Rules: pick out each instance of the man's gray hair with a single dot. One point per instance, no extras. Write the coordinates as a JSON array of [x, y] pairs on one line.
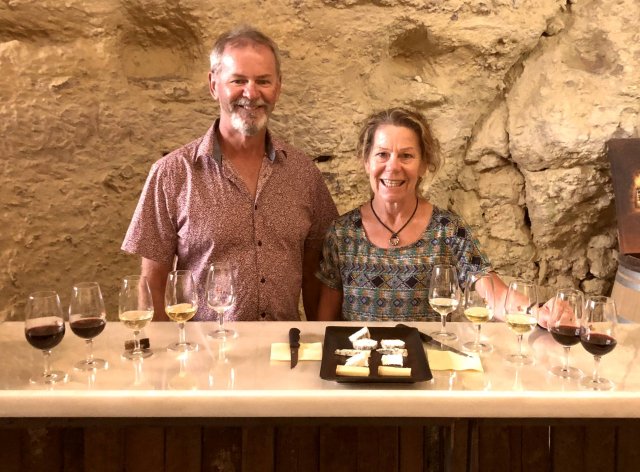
[[242, 36]]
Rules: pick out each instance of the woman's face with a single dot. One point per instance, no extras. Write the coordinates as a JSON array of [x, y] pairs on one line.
[[394, 164]]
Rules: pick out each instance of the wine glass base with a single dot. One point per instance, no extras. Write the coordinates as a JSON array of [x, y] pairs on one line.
[[183, 347], [95, 364], [223, 334], [132, 355], [53, 377], [568, 373], [519, 359], [590, 383], [444, 335], [471, 346]]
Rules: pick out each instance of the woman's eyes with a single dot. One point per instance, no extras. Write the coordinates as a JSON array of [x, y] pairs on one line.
[[386, 155]]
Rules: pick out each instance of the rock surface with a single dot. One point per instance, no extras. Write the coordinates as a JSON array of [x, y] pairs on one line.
[[522, 95]]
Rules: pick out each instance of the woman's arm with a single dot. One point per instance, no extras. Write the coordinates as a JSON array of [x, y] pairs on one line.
[[330, 306]]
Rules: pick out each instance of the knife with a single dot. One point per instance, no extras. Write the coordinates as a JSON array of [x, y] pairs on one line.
[[434, 342], [294, 345]]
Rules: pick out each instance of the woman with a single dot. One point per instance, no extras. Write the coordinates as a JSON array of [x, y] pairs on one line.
[[378, 257]]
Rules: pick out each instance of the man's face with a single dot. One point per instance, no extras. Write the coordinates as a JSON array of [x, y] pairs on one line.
[[247, 87]]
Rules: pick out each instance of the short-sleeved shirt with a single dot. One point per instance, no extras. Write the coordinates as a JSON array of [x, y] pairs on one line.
[[393, 284], [194, 206]]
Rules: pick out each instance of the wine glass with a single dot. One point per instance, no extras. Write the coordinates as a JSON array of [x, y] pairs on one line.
[[521, 314], [87, 319], [598, 337], [220, 296], [44, 329], [564, 326], [478, 306], [444, 295], [135, 310], [181, 304]]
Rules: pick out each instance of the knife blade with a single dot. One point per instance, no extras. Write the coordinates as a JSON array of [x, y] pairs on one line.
[[294, 345], [434, 342]]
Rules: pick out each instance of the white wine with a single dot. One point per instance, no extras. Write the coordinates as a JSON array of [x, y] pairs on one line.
[[181, 312], [444, 306], [521, 323], [477, 314], [136, 319]]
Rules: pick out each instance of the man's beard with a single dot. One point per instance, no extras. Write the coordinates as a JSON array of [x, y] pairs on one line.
[[249, 123]]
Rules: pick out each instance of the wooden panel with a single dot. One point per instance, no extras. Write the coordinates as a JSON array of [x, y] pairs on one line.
[[222, 449], [435, 438], [338, 446], [183, 448], [11, 449], [567, 446], [42, 450], [377, 449], [494, 451], [457, 446], [296, 449], [258, 449], [73, 450], [628, 447], [536, 455], [139, 441], [411, 447], [600, 448], [103, 449]]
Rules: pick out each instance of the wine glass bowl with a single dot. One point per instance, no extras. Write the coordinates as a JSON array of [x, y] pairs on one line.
[[87, 319], [44, 329], [478, 306], [220, 292], [181, 304], [598, 337], [135, 310], [521, 315], [564, 326], [444, 297]]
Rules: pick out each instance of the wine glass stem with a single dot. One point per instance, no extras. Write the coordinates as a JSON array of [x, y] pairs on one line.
[[182, 340], [596, 367], [89, 343], [47, 363], [478, 328], [221, 321], [565, 366], [136, 342], [443, 320], [520, 345]]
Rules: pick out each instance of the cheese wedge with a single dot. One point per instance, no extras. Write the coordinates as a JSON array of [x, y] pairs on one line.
[[352, 371], [387, 371]]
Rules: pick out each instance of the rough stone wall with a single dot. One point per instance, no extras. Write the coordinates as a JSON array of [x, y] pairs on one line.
[[522, 95]]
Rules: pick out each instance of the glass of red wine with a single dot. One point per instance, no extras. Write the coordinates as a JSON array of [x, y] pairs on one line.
[[44, 329], [598, 337], [87, 319], [564, 326]]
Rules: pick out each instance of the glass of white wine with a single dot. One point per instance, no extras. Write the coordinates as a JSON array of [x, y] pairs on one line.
[[135, 310], [181, 304], [444, 296], [521, 315], [220, 296], [478, 306]]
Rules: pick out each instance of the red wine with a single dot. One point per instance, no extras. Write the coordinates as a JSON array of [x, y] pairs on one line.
[[87, 328], [598, 344], [566, 335], [45, 337]]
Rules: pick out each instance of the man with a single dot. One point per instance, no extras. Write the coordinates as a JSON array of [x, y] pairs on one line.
[[237, 195]]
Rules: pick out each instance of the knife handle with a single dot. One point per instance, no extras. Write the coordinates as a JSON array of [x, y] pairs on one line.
[[294, 337]]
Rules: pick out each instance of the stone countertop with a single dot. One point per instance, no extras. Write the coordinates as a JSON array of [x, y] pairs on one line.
[[237, 378]]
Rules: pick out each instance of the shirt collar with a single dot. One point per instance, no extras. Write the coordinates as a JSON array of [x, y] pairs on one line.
[[210, 147]]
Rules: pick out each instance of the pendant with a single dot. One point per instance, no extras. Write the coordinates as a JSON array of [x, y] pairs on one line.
[[394, 240]]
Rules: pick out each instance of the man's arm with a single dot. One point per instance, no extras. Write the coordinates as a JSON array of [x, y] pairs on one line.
[[156, 275], [310, 284], [330, 306]]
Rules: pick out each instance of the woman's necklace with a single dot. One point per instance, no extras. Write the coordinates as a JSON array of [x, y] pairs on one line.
[[394, 240]]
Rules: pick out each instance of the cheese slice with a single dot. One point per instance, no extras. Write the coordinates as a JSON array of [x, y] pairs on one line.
[[352, 371], [387, 371]]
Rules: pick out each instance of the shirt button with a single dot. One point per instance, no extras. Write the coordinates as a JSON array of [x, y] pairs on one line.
[[263, 314], [262, 280], [259, 243], [255, 207]]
